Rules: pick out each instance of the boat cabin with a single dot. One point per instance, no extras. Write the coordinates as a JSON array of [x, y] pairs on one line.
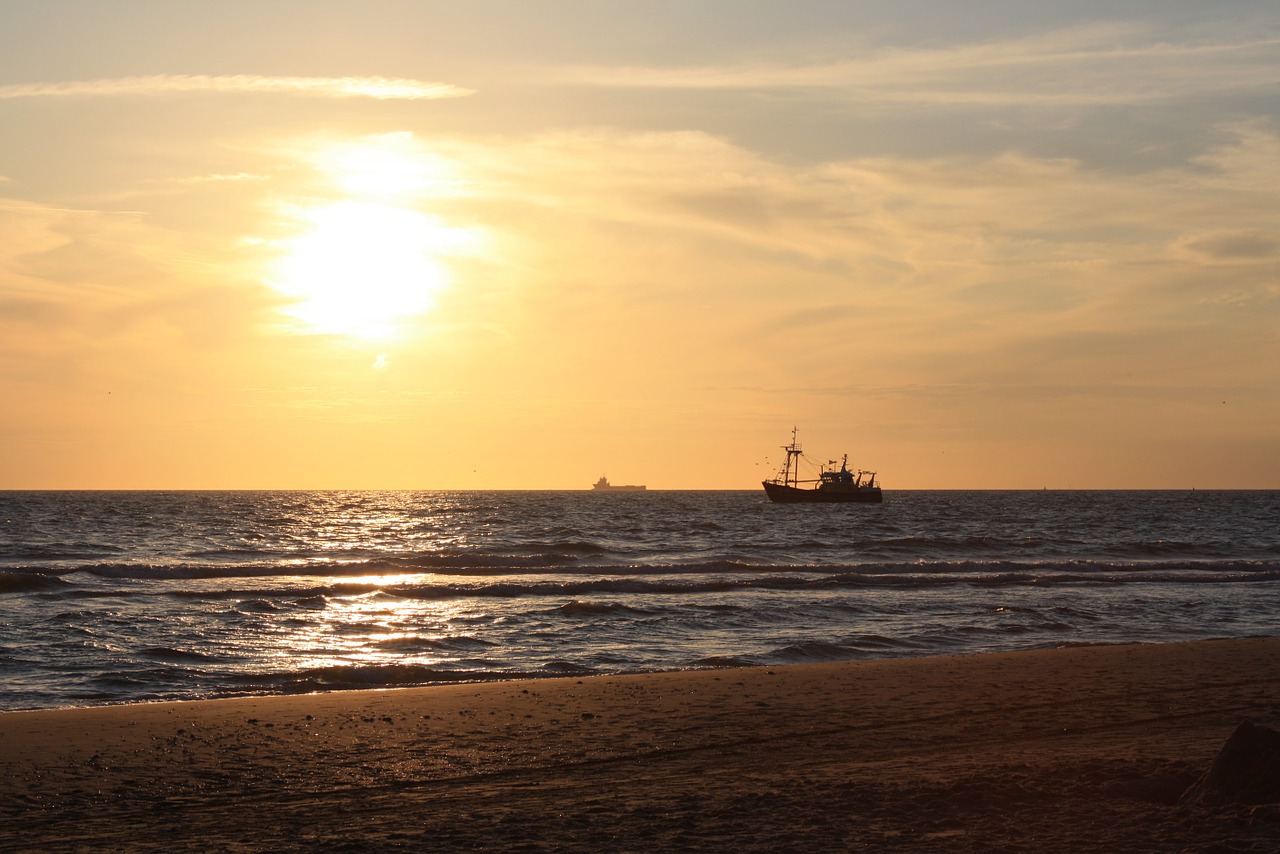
[[845, 480]]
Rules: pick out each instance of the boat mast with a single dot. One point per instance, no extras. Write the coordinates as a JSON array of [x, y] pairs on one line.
[[793, 450]]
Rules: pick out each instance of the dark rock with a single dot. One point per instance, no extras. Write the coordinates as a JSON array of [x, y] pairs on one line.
[[1246, 770]]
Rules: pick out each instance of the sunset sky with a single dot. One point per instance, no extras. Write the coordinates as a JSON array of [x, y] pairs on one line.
[[516, 244]]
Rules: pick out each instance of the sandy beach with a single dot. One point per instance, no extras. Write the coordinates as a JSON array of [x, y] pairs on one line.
[[1059, 750]]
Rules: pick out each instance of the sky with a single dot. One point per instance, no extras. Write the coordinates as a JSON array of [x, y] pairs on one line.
[[518, 244]]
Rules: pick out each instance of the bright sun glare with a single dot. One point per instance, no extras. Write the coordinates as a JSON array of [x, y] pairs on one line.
[[364, 263]]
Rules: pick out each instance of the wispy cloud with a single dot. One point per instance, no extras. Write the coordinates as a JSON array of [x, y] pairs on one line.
[[1110, 63], [934, 271], [218, 178], [382, 88]]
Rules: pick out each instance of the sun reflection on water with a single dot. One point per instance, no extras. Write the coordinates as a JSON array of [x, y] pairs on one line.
[[375, 628]]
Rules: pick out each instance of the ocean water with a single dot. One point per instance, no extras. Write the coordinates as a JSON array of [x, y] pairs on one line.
[[119, 597]]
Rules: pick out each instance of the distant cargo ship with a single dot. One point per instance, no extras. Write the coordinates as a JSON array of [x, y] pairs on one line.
[[603, 485], [829, 487]]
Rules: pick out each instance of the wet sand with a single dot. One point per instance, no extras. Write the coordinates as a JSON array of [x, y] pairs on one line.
[[1082, 749]]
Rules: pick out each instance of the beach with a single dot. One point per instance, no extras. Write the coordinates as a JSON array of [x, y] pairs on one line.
[[1085, 748]]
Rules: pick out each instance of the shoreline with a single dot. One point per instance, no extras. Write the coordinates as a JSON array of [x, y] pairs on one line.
[[536, 678], [1080, 748]]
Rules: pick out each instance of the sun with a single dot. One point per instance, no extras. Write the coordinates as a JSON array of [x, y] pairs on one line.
[[358, 268], [373, 257]]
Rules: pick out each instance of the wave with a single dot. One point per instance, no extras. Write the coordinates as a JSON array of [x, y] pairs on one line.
[[809, 652], [541, 553], [578, 608], [59, 551], [349, 677], [454, 565], [416, 643], [866, 643], [356, 676], [566, 667], [165, 653], [146, 677], [725, 661], [25, 582], [493, 565], [257, 606], [678, 580]]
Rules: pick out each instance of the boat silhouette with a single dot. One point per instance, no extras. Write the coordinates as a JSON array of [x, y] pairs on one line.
[[603, 485], [829, 487]]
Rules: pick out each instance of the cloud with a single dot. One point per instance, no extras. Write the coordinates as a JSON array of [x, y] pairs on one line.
[[1015, 268], [1237, 245], [382, 88], [1103, 64], [219, 178], [71, 279]]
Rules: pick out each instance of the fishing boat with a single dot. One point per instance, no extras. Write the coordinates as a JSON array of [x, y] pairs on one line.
[[830, 486], [603, 485]]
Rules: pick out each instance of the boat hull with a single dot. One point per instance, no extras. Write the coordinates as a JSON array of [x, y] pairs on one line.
[[783, 494]]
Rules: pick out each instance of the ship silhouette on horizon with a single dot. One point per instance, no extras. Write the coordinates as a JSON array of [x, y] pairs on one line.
[[603, 485]]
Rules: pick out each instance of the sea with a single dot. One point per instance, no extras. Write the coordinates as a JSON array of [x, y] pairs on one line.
[[129, 597]]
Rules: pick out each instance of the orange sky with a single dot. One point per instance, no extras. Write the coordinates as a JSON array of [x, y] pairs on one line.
[[458, 245]]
